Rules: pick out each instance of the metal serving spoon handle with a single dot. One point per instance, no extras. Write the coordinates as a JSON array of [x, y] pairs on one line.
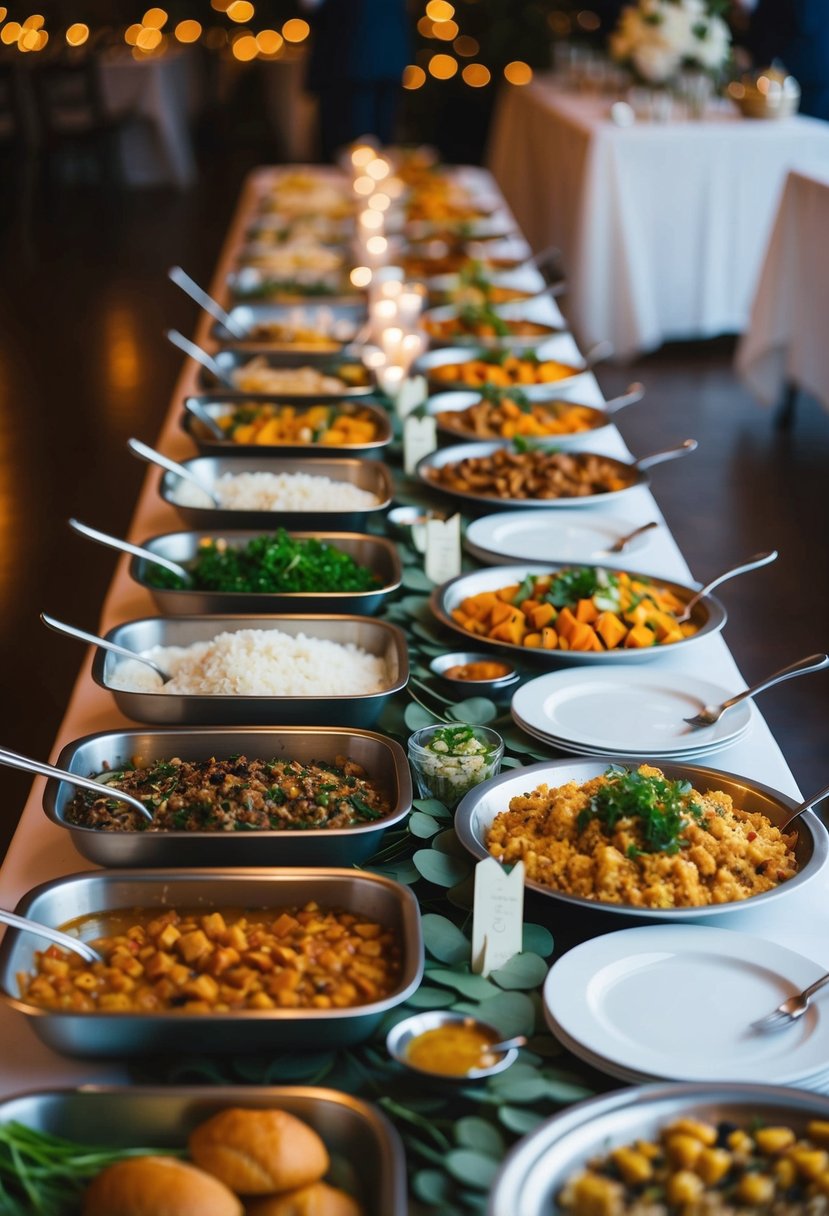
[[145, 452], [683, 449], [198, 411], [201, 356], [711, 714], [53, 935], [622, 543], [804, 806], [635, 392], [191, 288], [125, 546], [753, 563], [73, 632], [15, 760]]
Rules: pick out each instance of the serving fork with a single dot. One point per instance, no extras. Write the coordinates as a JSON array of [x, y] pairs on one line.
[[711, 714], [791, 1009]]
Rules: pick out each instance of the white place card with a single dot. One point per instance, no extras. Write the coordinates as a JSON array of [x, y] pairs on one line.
[[443, 549], [497, 915], [412, 393], [420, 438]]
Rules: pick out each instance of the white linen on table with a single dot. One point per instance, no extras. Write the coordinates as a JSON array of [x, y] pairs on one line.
[[662, 226], [786, 340]]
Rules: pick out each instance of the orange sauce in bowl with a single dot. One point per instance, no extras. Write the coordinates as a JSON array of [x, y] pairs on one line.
[[481, 670], [453, 1050]]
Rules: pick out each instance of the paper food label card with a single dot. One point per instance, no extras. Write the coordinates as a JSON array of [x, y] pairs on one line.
[[412, 393], [497, 915], [420, 439], [443, 549]]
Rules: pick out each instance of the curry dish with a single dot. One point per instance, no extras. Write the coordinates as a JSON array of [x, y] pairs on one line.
[[537, 473], [636, 838]]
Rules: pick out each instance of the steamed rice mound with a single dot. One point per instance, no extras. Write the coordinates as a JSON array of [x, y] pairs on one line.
[[730, 855]]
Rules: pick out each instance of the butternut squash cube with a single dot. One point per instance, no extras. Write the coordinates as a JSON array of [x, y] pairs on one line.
[[586, 611], [550, 640], [640, 636], [611, 629], [543, 615], [566, 623]]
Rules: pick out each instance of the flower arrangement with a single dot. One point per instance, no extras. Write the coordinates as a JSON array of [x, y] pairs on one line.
[[658, 37]]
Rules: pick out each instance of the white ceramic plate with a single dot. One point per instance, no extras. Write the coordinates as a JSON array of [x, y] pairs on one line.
[[626, 710], [574, 749], [532, 536], [676, 1002]]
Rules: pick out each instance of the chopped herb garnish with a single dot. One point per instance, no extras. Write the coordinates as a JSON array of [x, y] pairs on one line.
[[662, 809]]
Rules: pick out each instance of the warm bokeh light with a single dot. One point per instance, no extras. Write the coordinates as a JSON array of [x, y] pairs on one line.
[[413, 77], [131, 35], [188, 31], [443, 67], [425, 27], [560, 24], [245, 48], [10, 32], [376, 245], [4, 12], [518, 72], [446, 31], [240, 11], [466, 46], [362, 154], [378, 168], [296, 30], [35, 22], [360, 276], [476, 75], [269, 42], [155, 18], [379, 202], [440, 10], [221, 6], [589, 21], [365, 185], [148, 39], [372, 220], [77, 34]]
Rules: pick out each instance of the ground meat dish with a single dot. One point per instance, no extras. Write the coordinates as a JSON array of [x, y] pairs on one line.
[[235, 795], [536, 474]]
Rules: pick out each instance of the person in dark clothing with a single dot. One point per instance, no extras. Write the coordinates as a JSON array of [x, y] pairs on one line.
[[796, 32], [359, 51]]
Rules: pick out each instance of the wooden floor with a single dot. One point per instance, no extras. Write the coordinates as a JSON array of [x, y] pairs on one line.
[[83, 365]]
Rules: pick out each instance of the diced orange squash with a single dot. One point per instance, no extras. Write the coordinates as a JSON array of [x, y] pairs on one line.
[[508, 593], [501, 612], [586, 611], [510, 631], [596, 642], [675, 635], [542, 615], [639, 614], [527, 606], [479, 606], [533, 640], [566, 623], [662, 624], [610, 629], [563, 644], [688, 629], [582, 637], [550, 639], [640, 637], [462, 618]]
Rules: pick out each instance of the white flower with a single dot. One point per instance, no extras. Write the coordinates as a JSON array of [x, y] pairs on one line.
[[711, 50], [654, 62]]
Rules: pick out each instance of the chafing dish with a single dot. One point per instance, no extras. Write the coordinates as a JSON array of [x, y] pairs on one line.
[[218, 406]]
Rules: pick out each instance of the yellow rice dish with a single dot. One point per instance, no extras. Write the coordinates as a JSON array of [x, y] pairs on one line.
[[635, 837]]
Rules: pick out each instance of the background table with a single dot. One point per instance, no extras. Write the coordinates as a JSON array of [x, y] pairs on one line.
[[786, 343], [662, 226]]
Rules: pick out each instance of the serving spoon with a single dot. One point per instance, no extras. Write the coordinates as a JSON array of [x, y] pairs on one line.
[[72, 631], [145, 452], [15, 760], [711, 714], [191, 288], [753, 563], [125, 546], [201, 356], [198, 411], [87, 953]]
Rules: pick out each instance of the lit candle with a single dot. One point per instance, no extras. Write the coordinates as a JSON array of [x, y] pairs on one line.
[[408, 306], [391, 341], [390, 379]]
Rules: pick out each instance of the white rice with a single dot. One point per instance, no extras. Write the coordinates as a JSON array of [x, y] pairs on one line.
[[258, 662], [277, 492]]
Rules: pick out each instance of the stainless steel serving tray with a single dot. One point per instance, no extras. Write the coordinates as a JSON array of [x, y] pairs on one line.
[[374, 552], [432, 359], [348, 318], [108, 1035], [231, 360], [384, 761], [169, 709], [217, 406], [456, 401], [371, 475], [537, 1167], [367, 1157], [708, 615], [478, 809], [511, 341]]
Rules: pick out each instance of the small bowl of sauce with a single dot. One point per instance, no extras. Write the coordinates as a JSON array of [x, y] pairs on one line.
[[449, 1046], [467, 673]]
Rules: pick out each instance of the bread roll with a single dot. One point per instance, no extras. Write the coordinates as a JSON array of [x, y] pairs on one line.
[[158, 1186], [318, 1199], [257, 1152]]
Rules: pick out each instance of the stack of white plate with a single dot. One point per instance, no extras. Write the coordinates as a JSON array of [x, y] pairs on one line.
[[676, 1002], [624, 711], [531, 536]]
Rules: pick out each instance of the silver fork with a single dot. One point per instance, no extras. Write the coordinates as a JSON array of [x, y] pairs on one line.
[[712, 713], [791, 1009]]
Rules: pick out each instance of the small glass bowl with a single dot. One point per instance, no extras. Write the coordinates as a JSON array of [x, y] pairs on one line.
[[472, 688], [401, 1035], [450, 777]]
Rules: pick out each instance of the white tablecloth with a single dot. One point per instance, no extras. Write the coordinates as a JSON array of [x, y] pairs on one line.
[[162, 91], [662, 226], [786, 342]]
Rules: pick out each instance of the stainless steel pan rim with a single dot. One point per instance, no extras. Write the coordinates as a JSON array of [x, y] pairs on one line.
[[538, 1165], [231, 359], [510, 341], [213, 403], [477, 811], [464, 354], [456, 400], [709, 614]]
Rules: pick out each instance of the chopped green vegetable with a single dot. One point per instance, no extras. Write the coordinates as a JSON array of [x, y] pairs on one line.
[[662, 809]]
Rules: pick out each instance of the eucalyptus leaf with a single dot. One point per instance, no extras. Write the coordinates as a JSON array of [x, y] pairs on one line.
[[422, 825], [522, 971], [432, 1187], [415, 717], [463, 893], [476, 711], [416, 607], [448, 842], [565, 1092], [537, 940], [510, 1012], [480, 1135], [431, 649], [428, 633], [521, 1089], [546, 1046], [443, 940], [440, 868], [431, 806], [400, 871], [511, 762], [430, 998], [414, 579], [299, 1067], [473, 986], [472, 1169], [520, 1120]]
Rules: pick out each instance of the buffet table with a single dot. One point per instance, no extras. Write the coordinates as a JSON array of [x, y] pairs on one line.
[[647, 264], [41, 851], [785, 344]]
